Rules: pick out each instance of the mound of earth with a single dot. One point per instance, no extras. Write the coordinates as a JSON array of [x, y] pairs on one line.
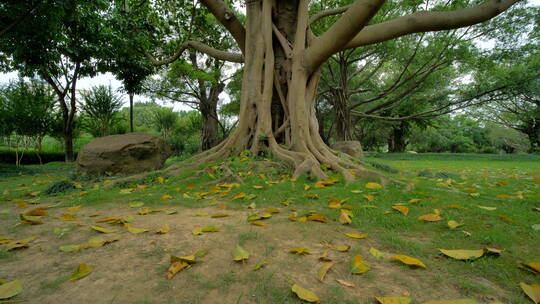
[[123, 154]]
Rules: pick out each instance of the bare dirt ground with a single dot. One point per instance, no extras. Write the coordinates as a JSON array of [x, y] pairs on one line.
[[132, 270]]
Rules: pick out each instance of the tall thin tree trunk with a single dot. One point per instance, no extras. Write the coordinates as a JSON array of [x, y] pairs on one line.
[[68, 146], [208, 109], [343, 115], [131, 112]]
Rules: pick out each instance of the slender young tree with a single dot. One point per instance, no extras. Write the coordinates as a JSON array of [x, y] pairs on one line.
[[282, 63]]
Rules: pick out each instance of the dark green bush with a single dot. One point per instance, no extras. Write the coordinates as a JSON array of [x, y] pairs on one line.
[[30, 158]]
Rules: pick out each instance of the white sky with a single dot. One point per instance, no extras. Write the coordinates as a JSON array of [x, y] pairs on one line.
[[108, 78]]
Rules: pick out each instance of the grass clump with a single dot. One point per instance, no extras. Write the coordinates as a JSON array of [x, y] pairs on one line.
[[59, 187]]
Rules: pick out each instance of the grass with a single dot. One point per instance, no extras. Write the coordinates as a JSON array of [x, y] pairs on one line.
[[504, 182]]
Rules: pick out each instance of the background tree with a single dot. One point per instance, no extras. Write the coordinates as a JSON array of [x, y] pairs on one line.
[[189, 77], [123, 56], [165, 120], [517, 76], [61, 42], [28, 108], [100, 110]]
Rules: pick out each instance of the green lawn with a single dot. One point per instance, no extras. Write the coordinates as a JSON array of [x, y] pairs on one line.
[[495, 197]]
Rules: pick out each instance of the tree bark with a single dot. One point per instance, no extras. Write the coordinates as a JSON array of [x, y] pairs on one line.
[[397, 142], [343, 122], [208, 109], [131, 112]]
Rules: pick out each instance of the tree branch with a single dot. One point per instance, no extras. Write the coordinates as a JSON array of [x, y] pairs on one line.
[[341, 33], [201, 47], [225, 15], [423, 21], [328, 12]]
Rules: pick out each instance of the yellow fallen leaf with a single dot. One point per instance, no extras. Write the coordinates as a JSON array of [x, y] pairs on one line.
[[460, 301], [408, 260], [126, 191], [80, 272], [240, 254], [285, 203], [344, 217], [324, 269], [454, 224], [109, 219], [259, 266], [40, 211], [10, 289], [369, 197], [257, 223], [148, 211], [316, 217], [345, 283], [533, 265], [201, 214], [376, 253], [219, 215], [175, 268], [306, 187], [74, 209], [102, 229], [166, 197], [258, 187], [393, 300], [463, 254], [334, 204], [164, 229], [356, 235], [32, 220], [197, 231], [311, 196], [404, 210], [210, 228], [18, 244], [272, 210], [493, 251], [134, 230], [300, 250], [454, 206], [68, 217], [373, 186], [240, 195], [432, 217], [160, 179], [532, 291], [487, 208], [414, 200], [358, 266], [305, 294]]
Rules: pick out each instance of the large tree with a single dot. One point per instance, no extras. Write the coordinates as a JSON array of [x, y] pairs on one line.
[[282, 65]]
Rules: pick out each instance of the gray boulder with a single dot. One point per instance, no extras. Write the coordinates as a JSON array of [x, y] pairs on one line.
[[123, 154]]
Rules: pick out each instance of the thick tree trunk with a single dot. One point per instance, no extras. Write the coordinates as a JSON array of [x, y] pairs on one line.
[[131, 112], [277, 113]]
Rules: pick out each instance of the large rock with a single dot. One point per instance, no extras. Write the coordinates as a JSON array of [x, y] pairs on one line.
[[350, 147], [123, 154]]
